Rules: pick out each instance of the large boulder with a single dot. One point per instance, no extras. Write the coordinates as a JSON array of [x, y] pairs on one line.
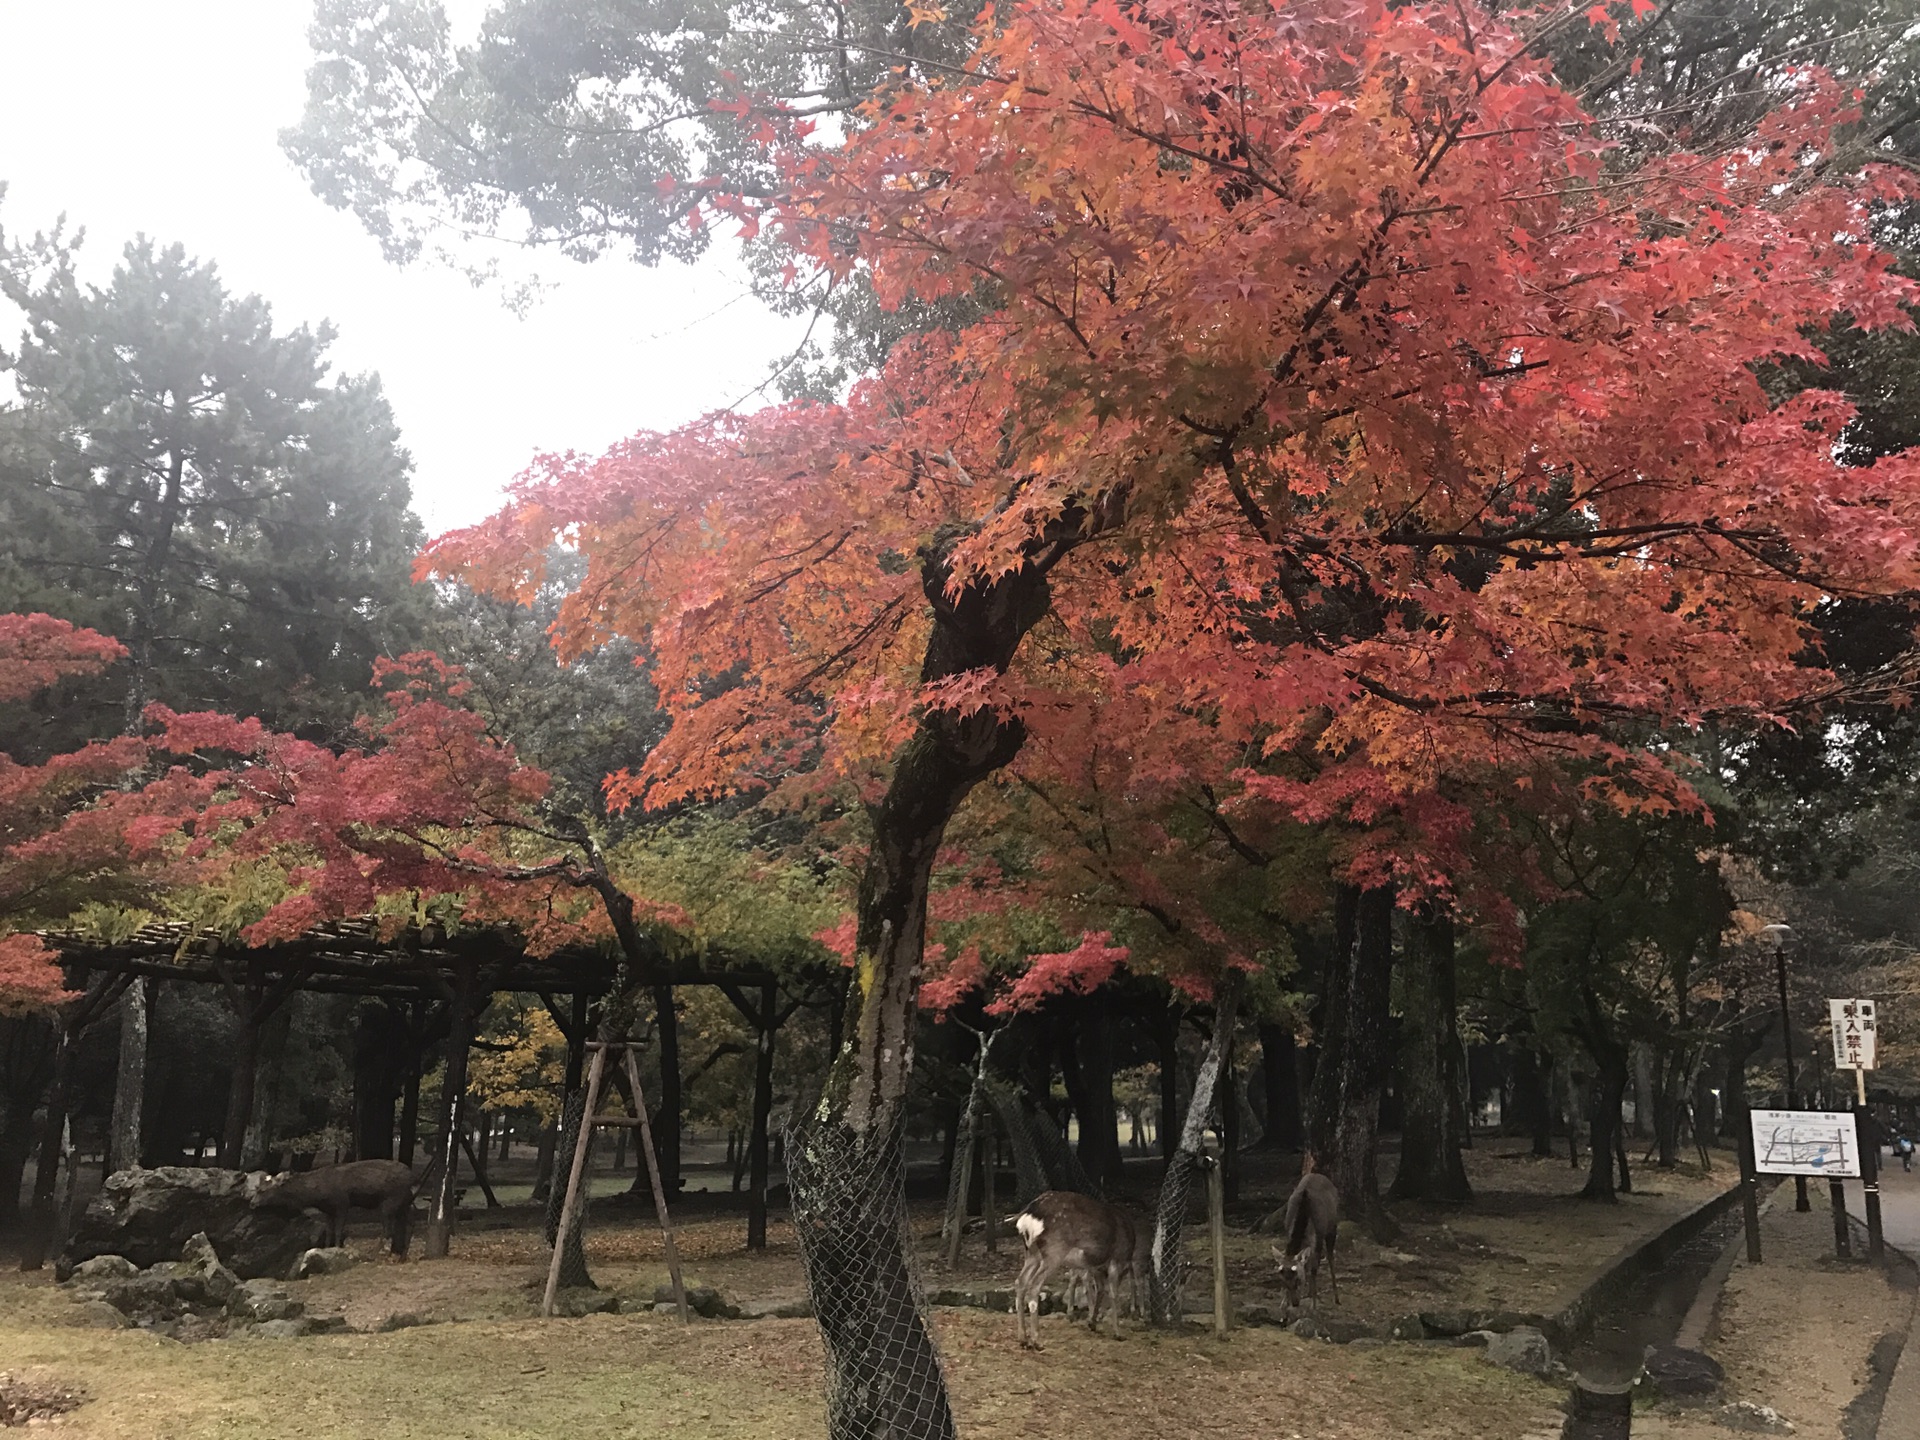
[[148, 1216]]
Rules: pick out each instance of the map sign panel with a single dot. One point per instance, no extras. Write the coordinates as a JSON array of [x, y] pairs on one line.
[[1805, 1142]]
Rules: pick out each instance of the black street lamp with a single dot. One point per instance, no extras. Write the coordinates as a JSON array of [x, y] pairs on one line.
[[1778, 938]]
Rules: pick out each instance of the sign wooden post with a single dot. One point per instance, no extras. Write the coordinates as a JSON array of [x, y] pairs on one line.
[[1855, 1036]]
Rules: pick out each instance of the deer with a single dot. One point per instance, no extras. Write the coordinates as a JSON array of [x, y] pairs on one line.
[[383, 1185], [1063, 1229], [1312, 1224]]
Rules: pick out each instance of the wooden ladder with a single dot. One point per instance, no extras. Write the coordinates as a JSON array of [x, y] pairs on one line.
[[576, 1177]]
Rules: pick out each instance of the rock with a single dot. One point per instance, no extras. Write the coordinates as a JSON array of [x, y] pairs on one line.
[[99, 1315], [1449, 1322], [1367, 1342], [148, 1216], [1345, 1332], [1501, 1321], [103, 1267], [1760, 1419], [1523, 1349], [1686, 1376], [203, 1279], [330, 1261], [400, 1320], [1408, 1327], [776, 1310], [1263, 1315], [288, 1329], [575, 1303], [1474, 1338], [263, 1300], [665, 1307], [144, 1296], [702, 1300], [1306, 1327]]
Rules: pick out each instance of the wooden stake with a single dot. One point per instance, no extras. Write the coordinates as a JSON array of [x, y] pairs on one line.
[[570, 1206], [659, 1190], [1217, 1233]]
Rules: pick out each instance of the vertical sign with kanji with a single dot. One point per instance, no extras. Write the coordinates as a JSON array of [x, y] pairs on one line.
[[1853, 1034]]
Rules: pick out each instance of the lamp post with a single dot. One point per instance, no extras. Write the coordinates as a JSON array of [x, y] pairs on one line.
[[1778, 938]]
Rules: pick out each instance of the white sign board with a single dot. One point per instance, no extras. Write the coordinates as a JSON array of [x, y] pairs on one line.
[[1853, 1034], [1805, 1142]]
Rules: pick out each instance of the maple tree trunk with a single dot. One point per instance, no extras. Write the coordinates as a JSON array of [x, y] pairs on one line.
[[845, 1164], [380, 1046], [1086, 1064], [1280, 1086], [574, 1274], [246, 1073], [41, 1218], [129, 1079], [16, 1144], [1167, 1264], [667, 1116], [1345, 1124], [1431, 1134], [762, 1113], [1607, 1089], [1166, 1036]]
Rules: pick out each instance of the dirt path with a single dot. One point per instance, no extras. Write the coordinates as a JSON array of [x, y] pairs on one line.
[[1794, 1332]]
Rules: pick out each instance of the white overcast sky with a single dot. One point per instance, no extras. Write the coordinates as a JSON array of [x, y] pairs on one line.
[[161, 117]]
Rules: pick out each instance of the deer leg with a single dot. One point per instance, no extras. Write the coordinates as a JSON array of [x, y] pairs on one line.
[[1114, 1271], [1026, 1297], [1332, 1274]]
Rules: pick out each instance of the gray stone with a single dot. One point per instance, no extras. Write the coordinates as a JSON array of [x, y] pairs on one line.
[[665, 1307], [1367, 1342], [400, 1320], [1675, 1373], [1345, 1332], [263, 1300], [1307, 1328], [1262, 1314], [103, 1267], [1474, 1339], [288, 1329], [144, 1295], [776, 1310], [1408, 1327], [99, 1315], [202, 1279], [702, 1300], [329, 1261], [149, 1216], [1448, 1322], [1523, 1349], [1759, 1419], [575, 1303], [1501, 1321]]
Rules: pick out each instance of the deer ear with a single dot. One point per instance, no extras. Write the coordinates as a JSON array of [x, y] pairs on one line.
[[1277, 1255]]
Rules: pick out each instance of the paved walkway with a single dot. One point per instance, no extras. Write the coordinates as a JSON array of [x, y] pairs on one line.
[[1900, 1217]]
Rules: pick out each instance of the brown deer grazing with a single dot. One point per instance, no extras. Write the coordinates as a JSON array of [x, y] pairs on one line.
[[1312, 1225], [1064, 1229], [383, 1185]]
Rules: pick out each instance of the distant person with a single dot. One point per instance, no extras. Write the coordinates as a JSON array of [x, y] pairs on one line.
[[1904, 1144]]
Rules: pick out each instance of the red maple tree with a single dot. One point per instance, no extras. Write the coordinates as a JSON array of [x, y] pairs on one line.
[[1332, 378]]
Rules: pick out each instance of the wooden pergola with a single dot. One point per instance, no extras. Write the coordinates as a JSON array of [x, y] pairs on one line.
[[430, 970]]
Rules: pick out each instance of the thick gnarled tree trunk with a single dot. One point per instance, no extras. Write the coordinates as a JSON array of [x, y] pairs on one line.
[[845, 1161], [1431, 1135], [1344, 1126]]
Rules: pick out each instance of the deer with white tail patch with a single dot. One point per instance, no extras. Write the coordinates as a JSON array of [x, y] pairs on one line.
[[1064, 1230]]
